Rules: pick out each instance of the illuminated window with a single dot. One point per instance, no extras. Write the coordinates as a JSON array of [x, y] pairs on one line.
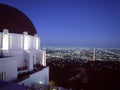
[[5, 43]]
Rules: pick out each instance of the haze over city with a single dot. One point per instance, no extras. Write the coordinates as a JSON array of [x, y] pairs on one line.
[[81, 23]]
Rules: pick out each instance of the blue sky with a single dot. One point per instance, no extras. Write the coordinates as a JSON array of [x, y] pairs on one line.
[[81, 23]]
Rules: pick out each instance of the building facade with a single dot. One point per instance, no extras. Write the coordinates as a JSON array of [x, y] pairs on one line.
[[19, 41]]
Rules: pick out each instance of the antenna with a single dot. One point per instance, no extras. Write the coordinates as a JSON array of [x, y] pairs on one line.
[[94, 54]]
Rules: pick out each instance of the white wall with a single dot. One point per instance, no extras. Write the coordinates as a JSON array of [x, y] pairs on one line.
[[19, 54], [16, 41], [27, 58], [41, 76], [16, 49], [31, 42], [9, 65], [41, 55]]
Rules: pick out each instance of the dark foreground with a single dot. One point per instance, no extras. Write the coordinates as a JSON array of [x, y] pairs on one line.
[[85, 75]]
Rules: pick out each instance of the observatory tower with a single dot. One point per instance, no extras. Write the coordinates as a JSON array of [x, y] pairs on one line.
[[19, 43]]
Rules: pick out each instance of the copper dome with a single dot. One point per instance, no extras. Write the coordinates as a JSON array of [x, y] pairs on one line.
[[15, 21]]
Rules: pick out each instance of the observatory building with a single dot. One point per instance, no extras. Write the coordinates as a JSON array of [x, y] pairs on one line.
[[20, 50]]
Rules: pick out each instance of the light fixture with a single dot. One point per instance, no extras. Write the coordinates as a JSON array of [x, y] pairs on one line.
[[25, 46], [40, 82], [5, 43]]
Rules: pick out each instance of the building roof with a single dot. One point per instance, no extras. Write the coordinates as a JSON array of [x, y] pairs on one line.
[[15, 21]]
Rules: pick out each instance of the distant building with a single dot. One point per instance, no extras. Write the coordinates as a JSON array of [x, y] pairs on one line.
[[19, 44], [94, 54]]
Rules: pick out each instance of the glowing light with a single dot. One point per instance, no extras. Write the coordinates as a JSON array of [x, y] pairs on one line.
[[5, 42], [36, 42], [53, 89], [40, 82], [25, 42], [44, 58]]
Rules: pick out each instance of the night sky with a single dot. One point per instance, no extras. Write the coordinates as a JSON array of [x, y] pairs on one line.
[[73, 23]]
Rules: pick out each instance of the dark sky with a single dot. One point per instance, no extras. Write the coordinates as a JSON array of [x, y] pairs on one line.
[[81, 23]]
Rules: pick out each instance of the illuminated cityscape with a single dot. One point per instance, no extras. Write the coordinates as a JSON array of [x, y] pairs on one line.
[[60, 45], [85, 68], [101, 54]]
